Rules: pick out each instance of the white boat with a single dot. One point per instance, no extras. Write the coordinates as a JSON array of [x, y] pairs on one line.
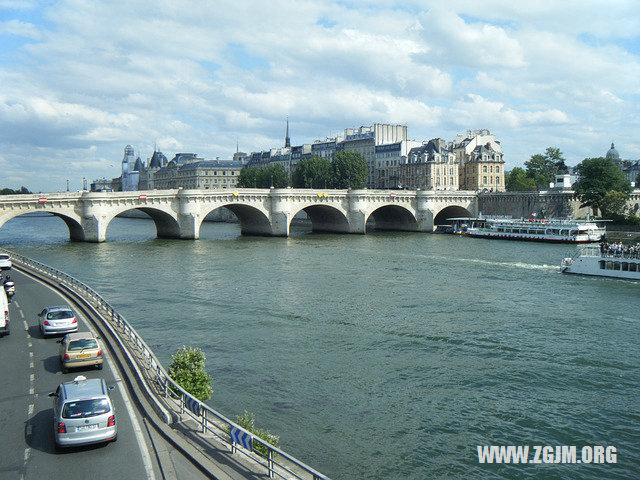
[[591, 261], [552, 230]]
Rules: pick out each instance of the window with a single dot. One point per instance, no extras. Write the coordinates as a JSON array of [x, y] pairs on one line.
[[484, 170], [497, 169], [497, 180], [484, 180]]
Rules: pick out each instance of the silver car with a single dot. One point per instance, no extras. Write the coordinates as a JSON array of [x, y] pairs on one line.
[[83, 413], [53, 320]]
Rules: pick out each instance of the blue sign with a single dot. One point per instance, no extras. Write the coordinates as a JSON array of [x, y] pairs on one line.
[[241, 437], [193, 405]]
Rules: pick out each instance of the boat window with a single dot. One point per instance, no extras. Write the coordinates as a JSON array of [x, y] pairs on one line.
[[633, 267], [625, 267], [616, 265], [609, 265], [601, 262]]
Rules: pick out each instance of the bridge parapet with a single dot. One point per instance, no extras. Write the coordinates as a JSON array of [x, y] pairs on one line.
[[179, 213]]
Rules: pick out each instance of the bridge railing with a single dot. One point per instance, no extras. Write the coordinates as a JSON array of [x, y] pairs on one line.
[[278, 463]]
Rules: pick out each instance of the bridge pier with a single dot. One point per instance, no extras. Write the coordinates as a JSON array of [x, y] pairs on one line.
[[95, 229]]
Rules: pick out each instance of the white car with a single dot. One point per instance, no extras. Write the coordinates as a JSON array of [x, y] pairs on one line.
[[5, 261]]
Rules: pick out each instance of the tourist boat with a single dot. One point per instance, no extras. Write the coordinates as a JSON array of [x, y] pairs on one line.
[[591, 261], [552, 230]]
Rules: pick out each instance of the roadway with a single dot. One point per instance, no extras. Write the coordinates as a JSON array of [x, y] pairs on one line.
[[29, 370]]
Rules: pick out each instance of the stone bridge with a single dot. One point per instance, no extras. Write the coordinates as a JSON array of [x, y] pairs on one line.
[[179, 213]]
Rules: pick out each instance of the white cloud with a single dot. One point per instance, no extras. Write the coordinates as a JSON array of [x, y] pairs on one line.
[[18, 28], [200, 76]]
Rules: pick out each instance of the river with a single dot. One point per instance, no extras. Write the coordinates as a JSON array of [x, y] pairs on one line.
[[386, 355]]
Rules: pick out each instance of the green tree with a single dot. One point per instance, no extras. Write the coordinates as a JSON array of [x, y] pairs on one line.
[[350, 170], [263, 177], [517, 180], [598, 177], [312, 172], [614, 205], [543, 167], [555, 155], [187, 370], [10, 191]]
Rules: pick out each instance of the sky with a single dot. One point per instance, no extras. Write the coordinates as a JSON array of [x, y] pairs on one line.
[[80, 79]]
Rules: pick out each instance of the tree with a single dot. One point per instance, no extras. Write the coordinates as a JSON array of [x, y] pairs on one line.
[[312, 172], [598, 177], [263, 177], [10, 191], [248, 421], [555, 155], [543, 168], [350, 170], [614, 205], [187, 370], [517, 180]]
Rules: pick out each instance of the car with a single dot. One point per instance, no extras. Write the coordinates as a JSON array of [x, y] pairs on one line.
[[5, 261], [53, 320], [80, 349], [4, 313], [83, 413]]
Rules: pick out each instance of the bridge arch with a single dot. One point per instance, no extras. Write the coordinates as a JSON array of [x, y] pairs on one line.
[[73, 222], [166, 222], [324, 218], [451, 211], [252, 220], [393, 217]]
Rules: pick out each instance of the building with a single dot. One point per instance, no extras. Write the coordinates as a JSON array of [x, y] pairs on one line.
[[480, 161], [155, 163], [130, 170], [364, 141], [431, 166], [390, 161]]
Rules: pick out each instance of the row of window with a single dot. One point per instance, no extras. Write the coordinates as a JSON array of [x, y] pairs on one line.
[[484, 180], [621, 266], [484, 169]]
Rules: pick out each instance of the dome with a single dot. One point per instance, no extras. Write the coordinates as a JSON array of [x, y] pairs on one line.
[[613, 153]]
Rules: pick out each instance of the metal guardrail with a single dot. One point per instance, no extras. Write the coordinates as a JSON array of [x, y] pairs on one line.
[[278, 463]]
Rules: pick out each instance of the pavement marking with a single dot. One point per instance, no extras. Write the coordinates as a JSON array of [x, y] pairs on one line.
[[30, 344], [31, 354], [31, 365], [33, 377], [26, 325], [17, 304], [21, 313], [30, 409], [144, 451], [27, 452], [31, 391]]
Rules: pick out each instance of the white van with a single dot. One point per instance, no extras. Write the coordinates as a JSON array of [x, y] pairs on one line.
[[4, 313]]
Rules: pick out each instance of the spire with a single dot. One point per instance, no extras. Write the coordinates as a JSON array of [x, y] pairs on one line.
[[287, 142]]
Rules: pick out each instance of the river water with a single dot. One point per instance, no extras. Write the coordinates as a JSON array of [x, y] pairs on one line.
[[386, 355]]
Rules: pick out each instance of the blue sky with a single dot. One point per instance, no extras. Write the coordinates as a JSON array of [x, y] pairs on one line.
[[82, 79]]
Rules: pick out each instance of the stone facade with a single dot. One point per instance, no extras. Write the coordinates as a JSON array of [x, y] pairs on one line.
[[431, 166]]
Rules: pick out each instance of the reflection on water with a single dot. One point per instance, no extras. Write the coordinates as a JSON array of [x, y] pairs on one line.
[[382, 356]]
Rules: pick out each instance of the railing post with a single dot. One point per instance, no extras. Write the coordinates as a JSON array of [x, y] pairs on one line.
[[204, 419], [270, 462]]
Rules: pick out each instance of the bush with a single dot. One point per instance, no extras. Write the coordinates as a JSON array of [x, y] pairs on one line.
[[187, 370], [248, 422]]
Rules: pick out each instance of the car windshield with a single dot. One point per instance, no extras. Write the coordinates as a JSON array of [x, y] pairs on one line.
[[4, 257], [85, 408], [59, 315], [82, 344]]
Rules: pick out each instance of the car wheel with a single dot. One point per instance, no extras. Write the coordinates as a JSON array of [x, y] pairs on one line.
[[99, 366], [65, 370]]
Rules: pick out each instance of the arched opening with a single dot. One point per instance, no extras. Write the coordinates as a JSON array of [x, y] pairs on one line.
[[134, 224], [443, 218], [252, 221], [392, 217], [42, 227], [220, 224], [318, 219]]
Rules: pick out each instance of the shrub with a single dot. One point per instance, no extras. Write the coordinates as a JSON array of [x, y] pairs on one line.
[[248, 422], [187, 370]]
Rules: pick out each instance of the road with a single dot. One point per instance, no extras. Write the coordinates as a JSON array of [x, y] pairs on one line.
[[29, 370]]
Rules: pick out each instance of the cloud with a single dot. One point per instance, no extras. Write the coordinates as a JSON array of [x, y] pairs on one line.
[[20, 29], [199, 76]]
